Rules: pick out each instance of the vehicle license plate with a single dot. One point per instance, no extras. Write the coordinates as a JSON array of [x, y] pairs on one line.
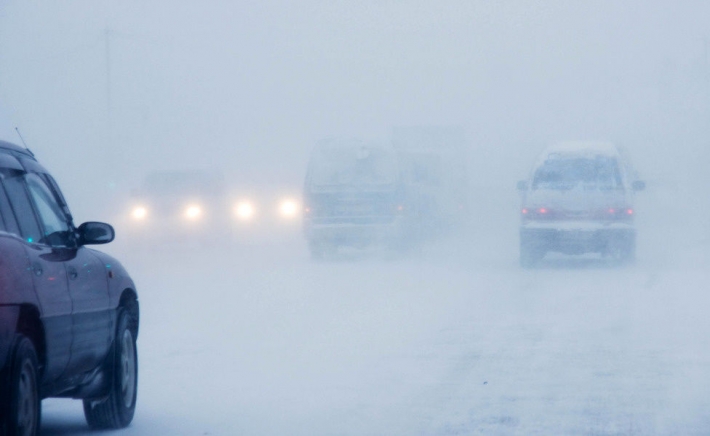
[[580, 235]]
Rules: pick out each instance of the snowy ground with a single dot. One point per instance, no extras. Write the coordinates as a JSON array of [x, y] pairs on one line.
[[456, 340]]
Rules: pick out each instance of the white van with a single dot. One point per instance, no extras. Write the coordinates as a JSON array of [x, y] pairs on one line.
[[578, 199]]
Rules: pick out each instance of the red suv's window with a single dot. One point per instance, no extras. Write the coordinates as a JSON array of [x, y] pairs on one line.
[[54, 222], [22, 208]]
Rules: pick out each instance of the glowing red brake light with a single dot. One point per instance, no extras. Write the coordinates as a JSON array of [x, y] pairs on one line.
[[619, 213], [537, 213]]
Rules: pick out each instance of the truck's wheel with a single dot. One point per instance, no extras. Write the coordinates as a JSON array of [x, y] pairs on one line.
[[529, 257], [316, 251], [630, 252], [117, 409], [322, 250], [22, 407]]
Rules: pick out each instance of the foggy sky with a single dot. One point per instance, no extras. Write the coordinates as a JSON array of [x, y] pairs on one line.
[[106, 92]]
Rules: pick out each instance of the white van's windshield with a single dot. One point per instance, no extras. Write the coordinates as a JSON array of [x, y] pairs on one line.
[[599, 173], [356, 165]]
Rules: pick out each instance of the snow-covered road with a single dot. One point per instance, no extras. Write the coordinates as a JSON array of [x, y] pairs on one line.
[[457, 340]]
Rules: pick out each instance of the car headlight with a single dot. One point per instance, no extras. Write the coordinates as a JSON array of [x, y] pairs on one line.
[[288, 208], [193, 212], [139, 213], [244, 210]]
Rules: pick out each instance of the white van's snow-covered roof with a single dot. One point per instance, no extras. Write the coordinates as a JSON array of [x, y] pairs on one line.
[[584, 148], [589, 149]]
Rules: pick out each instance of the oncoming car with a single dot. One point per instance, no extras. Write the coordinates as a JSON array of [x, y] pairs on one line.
[[579, 198], [265, 214], [176, 205], [268, 207], [199, 205], [68, 314]]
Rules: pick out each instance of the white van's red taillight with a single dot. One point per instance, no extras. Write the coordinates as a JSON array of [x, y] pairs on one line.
[[536, 213], [621, 213]]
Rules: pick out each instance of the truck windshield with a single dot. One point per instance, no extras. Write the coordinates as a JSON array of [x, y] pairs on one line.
[[353, 166], [600, 173]]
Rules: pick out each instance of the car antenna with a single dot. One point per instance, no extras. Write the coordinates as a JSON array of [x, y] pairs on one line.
[[23, 141]]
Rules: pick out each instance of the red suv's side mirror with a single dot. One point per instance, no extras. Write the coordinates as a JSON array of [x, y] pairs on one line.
[[93, 232]]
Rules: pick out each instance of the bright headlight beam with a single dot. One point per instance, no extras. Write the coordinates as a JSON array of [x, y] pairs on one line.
[[244, 210], [139, 213], [288, 208], [193, 212]]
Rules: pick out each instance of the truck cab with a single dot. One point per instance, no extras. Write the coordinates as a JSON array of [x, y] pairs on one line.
[[354, 196]]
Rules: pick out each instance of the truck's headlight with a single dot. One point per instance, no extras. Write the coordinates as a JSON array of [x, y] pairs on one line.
[[193, 212], [244, 210], [288, 208], [139, 213]]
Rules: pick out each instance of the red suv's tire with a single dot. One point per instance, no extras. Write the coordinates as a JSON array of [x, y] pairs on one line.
[[116, 410], [22, 406]]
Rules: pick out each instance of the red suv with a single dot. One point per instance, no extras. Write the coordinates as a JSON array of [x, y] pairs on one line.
[[68, 314]]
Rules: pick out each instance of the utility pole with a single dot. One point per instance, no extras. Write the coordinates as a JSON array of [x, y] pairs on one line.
[[109, 106], [706, 58], [111, 154]]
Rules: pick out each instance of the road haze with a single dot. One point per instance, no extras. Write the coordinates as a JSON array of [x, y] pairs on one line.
[[452, 339], [242, 333]]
